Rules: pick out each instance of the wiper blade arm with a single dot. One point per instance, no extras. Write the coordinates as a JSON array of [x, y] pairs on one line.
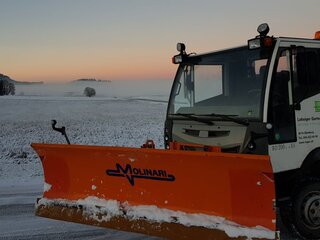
[[228, 118], [193, 117]]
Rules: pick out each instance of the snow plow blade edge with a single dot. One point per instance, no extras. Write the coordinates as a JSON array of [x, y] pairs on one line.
[[167, 193]]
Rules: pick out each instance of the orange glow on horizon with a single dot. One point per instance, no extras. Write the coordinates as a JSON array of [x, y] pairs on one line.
[[117, 73], [156, 69], [58, 65]]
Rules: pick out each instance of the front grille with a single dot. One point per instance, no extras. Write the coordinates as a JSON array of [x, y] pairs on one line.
[[210, 134]]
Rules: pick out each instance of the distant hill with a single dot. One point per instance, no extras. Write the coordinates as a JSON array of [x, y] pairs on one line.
[[5, 77], [90, 80], [28, 83]]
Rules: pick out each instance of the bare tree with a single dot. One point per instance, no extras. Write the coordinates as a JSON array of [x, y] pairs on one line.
[[2, 88], [12, 89], [7, 88]]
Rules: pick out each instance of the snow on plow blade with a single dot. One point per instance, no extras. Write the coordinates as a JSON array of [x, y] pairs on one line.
[[168, 193]]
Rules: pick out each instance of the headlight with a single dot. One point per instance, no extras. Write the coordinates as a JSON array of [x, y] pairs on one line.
[[254, 43], [177, 59]]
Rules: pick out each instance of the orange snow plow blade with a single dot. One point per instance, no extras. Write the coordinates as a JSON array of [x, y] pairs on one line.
[[169, 193]]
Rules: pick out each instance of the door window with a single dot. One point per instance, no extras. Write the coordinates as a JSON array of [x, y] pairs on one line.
[[307, 68], [281, 109]]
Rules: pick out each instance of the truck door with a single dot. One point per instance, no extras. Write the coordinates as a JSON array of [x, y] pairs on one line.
[[281, 113], [306, 93], [281, 108], [294, 105]]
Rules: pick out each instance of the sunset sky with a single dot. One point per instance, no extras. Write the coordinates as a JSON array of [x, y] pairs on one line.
[[62, 40]]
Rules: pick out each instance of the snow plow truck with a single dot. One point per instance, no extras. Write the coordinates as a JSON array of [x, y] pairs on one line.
[[242, 149]]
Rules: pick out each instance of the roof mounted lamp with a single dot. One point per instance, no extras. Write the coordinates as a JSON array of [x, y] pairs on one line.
[[263, 29], [262, 40], [181, 47], [182, 56]]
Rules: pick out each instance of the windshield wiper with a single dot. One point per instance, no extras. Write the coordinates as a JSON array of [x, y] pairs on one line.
[[192, 116], [228, 118]]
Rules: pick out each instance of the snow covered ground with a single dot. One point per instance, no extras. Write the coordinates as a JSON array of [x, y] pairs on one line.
[[107, 119], [113, 117], [89, 121]]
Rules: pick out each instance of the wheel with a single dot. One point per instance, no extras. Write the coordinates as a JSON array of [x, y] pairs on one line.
[[306, 210]]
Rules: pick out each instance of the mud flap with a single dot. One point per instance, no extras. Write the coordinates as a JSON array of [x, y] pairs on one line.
[[168, 193]]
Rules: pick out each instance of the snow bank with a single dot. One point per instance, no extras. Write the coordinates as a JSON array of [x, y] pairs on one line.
[[103, 210]]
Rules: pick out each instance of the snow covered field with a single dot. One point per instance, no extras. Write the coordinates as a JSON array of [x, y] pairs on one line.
[[124, 120], [88, 121], [110, 118]]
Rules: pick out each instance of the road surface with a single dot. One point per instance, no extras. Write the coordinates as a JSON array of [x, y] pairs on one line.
[[17, 220]]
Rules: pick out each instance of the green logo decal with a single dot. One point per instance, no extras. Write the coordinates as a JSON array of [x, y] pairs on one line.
[[317, 106]]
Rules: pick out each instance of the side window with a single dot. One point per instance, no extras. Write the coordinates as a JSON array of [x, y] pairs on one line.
[[306, 64], [281, 111]]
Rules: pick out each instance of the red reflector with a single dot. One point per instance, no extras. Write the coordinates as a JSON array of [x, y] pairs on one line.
[[267, 42]]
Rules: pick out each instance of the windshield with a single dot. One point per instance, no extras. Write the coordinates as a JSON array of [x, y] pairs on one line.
[[228, 83]]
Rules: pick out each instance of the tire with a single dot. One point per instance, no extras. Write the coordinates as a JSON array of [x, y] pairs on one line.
[[306, 210]]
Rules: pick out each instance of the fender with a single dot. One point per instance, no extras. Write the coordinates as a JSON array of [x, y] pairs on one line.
[[286, 181]]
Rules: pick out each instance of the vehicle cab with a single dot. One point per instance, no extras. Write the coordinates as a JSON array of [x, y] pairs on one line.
[[218, 98], [262, 98]]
